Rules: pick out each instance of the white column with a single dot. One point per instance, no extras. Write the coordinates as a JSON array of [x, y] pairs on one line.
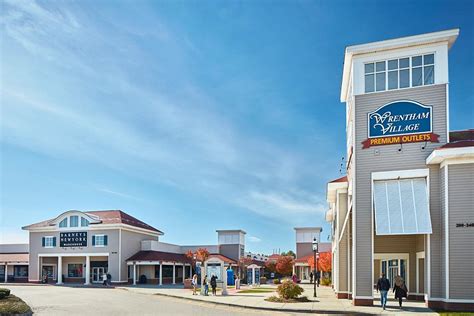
[[60, 270], [184, 272], [134, 273], [88, 270], [224, 280], [161, 273], [174, 273], [293, 269], [6, 272]]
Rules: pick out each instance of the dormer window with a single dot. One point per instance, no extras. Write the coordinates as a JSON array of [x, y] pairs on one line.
[[84, 222], [63, 223], [74, 221]]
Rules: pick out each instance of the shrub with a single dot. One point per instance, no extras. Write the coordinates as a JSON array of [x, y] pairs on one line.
[[276, 281], [325, 281], [289, 290], [4, 293], [263, 280]]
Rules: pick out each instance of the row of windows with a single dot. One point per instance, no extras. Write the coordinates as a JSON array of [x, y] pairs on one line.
[[18, 271], [399, 73], [97, 241], [74, 222]]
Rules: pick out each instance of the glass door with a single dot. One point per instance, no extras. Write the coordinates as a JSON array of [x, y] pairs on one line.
[[97, 273], [393, 267]]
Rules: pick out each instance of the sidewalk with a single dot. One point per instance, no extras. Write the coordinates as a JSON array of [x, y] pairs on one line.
[[325, 303]]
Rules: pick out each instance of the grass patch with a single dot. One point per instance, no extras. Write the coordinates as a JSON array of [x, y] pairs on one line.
[[13, 305], [276, 299], [257, 290]]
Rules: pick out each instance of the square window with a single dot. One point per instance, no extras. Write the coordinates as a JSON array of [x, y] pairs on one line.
[[416, 61], [393, 64], [404, 62], [404, 78], [380, 82], [428, 59], [393, 80], [369, 83], [416, 77], [380, 66], [99, 240], [49, 242], [369, 68], [74, 270], [429, 74]]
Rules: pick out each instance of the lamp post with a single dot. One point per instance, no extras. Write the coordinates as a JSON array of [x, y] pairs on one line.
[[315, 250]]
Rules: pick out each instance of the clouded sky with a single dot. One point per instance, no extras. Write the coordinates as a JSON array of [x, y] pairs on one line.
[[192, 116]]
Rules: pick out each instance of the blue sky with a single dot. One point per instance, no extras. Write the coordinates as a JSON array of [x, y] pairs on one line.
[[192, 116]]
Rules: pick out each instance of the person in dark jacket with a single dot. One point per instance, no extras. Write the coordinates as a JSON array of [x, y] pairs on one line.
[[383, 285], [311, 277], [214, 284], [400, 290]]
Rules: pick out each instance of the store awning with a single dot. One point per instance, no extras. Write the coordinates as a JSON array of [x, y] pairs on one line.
[[401, 207]]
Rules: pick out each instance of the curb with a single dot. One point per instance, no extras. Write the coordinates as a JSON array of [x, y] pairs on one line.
[[267, 308]]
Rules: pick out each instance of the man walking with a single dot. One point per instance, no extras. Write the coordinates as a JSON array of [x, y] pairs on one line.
[[383, 285]]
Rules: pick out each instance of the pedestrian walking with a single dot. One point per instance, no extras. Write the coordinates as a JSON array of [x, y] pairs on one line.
[[214, 284], [400, 290], [109, 279], [383, 285], [206, 286], [104, 279], [194, 282], [311, 277], [318, 277]]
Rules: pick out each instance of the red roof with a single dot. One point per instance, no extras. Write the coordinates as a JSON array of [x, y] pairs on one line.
[[222, 257], [14, 257], [341, 179], [458, 139], [106, 217], [159, 256]]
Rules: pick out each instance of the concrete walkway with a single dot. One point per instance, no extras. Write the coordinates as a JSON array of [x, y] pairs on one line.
[[325, 303]]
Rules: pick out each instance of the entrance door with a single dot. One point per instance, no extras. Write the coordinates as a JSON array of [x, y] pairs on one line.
[[393, 267], [97, 273]]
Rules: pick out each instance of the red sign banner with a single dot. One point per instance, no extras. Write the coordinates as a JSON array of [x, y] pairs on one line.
[[390, 140]]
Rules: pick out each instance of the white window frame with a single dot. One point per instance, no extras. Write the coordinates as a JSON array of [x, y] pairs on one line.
[[67, 222], [47, 238], [410, 70], [84, 219], [103, 240], [70, 221]]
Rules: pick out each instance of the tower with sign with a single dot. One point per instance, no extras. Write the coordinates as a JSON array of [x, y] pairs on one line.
[[392, 214]]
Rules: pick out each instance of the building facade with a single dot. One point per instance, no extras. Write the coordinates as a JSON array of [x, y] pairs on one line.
[[406, 205], [80, 247]]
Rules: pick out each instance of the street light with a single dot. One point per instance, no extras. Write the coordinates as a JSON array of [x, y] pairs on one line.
[[315, 250]]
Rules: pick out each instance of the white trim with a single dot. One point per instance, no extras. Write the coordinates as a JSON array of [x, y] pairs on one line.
[[95, 241], [98, 227], [419, 255], [447, 36], [447, 106], [52, 241], [55, 269], [428, 268], [451, 300], [400, 174], [446, 228], [456, 155], [457, 161], [120, 256], [83, 254]]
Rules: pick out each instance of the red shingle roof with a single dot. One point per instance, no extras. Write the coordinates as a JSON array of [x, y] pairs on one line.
[[106, 217], [159, 256], [341, 179], [222, 257]]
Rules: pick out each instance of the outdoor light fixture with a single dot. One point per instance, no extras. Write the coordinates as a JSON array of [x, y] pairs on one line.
[[315, 250]]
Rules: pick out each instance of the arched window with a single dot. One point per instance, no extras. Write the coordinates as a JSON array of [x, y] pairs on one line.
[[63, 223]]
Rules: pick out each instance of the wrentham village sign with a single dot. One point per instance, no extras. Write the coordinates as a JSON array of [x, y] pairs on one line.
[[399, 122]]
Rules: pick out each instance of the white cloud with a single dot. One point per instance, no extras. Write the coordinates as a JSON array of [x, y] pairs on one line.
[[253, 239]]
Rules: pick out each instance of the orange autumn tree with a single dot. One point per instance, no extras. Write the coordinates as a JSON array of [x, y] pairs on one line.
[[284, 265], [200, 255], [324, 262]]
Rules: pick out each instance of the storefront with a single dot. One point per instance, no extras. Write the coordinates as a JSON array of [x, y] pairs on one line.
[[406, 205]]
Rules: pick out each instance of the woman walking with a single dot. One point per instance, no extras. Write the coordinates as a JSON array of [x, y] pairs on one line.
[[400, 290], [194, 282], [206, 286], [214, 284]]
